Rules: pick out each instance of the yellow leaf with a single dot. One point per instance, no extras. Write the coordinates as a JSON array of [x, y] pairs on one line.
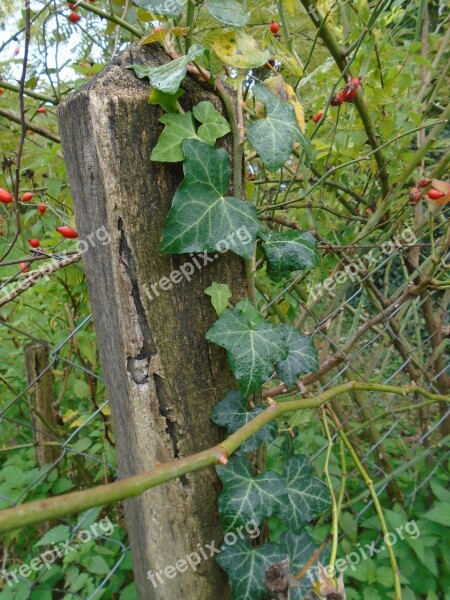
[[159, 35], [290, 7], [285, 92], [68, 415], [77, 423], [238, 49], [279, 51]]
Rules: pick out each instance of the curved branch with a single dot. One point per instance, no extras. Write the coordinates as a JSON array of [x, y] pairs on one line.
[[39, 511]]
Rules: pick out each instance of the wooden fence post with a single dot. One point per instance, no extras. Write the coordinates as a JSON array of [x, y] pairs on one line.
[[162, 377], [41, 397]]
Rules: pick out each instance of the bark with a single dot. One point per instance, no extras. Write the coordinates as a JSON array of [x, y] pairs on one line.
[[162, 377]]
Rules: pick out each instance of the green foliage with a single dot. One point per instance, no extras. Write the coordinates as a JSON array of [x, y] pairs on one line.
[[301, 359], [202, 218], [246, 567], [228, 12], [232, 412], [273, 137], [180, 127], [289, 251], [276, 485], [220, 294], [168, 77], [246, 498], [253, 345]]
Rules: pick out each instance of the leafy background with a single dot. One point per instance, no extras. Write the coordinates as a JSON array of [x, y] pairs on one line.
[[390, 437]]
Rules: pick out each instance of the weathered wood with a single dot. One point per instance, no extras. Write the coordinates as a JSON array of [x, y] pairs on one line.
[[162, 377], [41, 397]]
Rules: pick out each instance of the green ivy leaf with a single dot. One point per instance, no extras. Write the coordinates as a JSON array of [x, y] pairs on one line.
[[228, 12], [168, 77], [299, 549], [177, 128], [308, 496], [247, 498], [289, 251], [252, 346], [202, 219], [213, 125], [159, 7], [246, 567], [168, 102], [232, 413], [273, 137], [220, 294], [302, 357]]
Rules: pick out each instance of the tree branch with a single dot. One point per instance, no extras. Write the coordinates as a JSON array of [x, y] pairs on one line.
[[338, 55], [39, 511], [15, 118]]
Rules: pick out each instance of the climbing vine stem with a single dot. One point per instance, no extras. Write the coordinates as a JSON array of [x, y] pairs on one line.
[[39, 511], [376, 502]]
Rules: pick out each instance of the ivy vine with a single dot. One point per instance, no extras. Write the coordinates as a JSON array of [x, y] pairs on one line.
[[200, 218]]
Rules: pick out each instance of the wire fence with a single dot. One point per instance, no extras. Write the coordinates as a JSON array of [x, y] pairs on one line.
[[366, 328]]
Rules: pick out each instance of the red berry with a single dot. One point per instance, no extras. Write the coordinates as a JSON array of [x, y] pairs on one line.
[[24, 267], [74, 17], [336, 100], [274, 27], [67, 232], [434, 194], [5, 196], [415, 195], [423, 182], [16, 50], [27, 196], [316, 118], [72, 6], [34, 243], [41, 110], [348, 93], [41, 208], [2, 91]]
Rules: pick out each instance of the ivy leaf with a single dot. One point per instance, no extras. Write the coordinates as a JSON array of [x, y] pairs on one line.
[[168, 77], [299, 549], [252, 347], [158, 7], [289, 251], [232, 413], [273, 137], [302, 357], [213, 125], [308, 496], [202, 219], [247, 498], [238, 49], [286, 92], [177, 128], [168, 102], [220, 294], [246, 567], [228, 12]]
